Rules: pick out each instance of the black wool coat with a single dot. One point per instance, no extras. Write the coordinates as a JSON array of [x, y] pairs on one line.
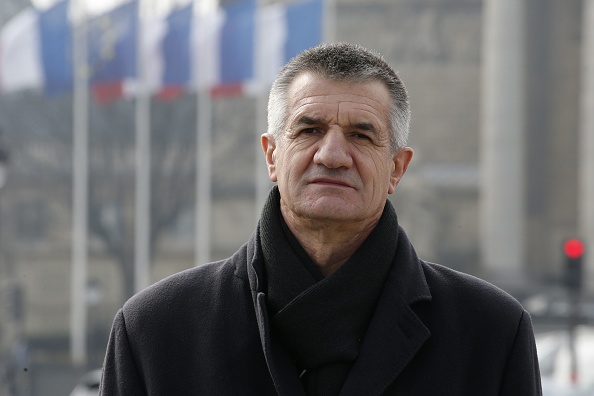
[[435, 331]]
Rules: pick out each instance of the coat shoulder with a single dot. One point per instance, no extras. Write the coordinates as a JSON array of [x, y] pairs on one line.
[[470, 295], [197, 289]]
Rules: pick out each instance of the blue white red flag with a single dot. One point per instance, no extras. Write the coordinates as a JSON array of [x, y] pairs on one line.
[[284, 30], [176, 53], [237, 44], [35, 51]]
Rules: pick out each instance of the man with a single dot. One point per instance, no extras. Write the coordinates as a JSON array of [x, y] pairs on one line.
[[328, 296]]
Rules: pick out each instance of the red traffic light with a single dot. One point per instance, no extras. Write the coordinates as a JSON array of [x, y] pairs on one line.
[[573, 248]]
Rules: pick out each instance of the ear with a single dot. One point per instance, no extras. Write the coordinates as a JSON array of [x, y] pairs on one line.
[[401, 158], [269, 146]]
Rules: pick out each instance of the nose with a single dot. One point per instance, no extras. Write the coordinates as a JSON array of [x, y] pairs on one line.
[[333, 150]]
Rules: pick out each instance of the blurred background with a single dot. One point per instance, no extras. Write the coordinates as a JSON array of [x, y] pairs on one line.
[[129, 150]]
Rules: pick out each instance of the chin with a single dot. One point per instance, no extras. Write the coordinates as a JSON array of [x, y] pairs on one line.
[[332, 210]]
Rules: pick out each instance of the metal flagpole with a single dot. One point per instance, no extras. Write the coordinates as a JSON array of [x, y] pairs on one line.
[[203, 177], [263, 183], [329, 21], [78, 315], [202, 219], [143, 163]]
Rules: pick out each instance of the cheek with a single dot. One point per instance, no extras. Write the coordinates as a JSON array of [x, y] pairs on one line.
[[374, 166], [380, 172], [295, 162], [285, 171]]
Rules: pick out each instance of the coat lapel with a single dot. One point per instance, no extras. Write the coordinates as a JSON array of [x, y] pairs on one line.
[[282, 370], [395, 333]]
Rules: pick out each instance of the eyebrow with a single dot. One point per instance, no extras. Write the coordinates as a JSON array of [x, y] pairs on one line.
[[364, 126], [307, 120]]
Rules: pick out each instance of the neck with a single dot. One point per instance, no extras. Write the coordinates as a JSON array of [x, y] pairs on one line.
[[329, 244]]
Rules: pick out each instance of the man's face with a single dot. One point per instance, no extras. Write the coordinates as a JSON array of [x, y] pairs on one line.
[[333, 162]]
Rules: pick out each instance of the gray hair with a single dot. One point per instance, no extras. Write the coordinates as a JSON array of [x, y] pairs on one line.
[[341, 62]]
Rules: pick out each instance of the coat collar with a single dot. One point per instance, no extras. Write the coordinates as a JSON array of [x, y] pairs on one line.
[[393, 338]]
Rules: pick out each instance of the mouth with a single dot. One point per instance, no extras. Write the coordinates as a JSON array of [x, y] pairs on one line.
[[331, 182]]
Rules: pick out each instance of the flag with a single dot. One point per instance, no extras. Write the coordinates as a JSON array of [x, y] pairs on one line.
[[236, 46], [218, 51], [151, 52], [205, 50], [284, 30], [56, 48], [272, 36], [35, 51], [176, 53], [112, 43], [20, 61], [304, 27]]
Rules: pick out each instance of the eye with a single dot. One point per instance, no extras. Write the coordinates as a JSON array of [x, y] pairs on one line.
[[309, 131], [362, 136]]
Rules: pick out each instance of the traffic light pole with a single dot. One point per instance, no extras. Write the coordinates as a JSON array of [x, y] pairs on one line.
[[573, 322], [573, 250]]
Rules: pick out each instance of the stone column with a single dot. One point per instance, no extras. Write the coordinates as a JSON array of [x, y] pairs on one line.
[[586, 139], [502, 141]]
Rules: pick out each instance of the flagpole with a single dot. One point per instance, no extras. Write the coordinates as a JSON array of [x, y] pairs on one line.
[[263, 184], [203, 177], [143, 163], [78, 316], [329, 21], [202, 213]]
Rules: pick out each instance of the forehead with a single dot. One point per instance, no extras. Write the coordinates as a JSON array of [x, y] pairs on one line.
[[312, 93]]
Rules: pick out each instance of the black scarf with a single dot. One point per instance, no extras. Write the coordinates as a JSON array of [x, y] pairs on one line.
[[322, 320]]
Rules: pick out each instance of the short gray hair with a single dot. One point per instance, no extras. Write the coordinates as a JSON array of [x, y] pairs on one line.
[[341, 62]]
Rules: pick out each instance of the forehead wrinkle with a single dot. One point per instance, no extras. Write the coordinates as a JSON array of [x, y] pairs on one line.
[[346, 98], [301, 115], [318, 106], [358, 107]]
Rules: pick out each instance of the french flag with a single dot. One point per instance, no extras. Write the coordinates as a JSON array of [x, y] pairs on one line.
[[35, 51], [176, 52], [236, 47]]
